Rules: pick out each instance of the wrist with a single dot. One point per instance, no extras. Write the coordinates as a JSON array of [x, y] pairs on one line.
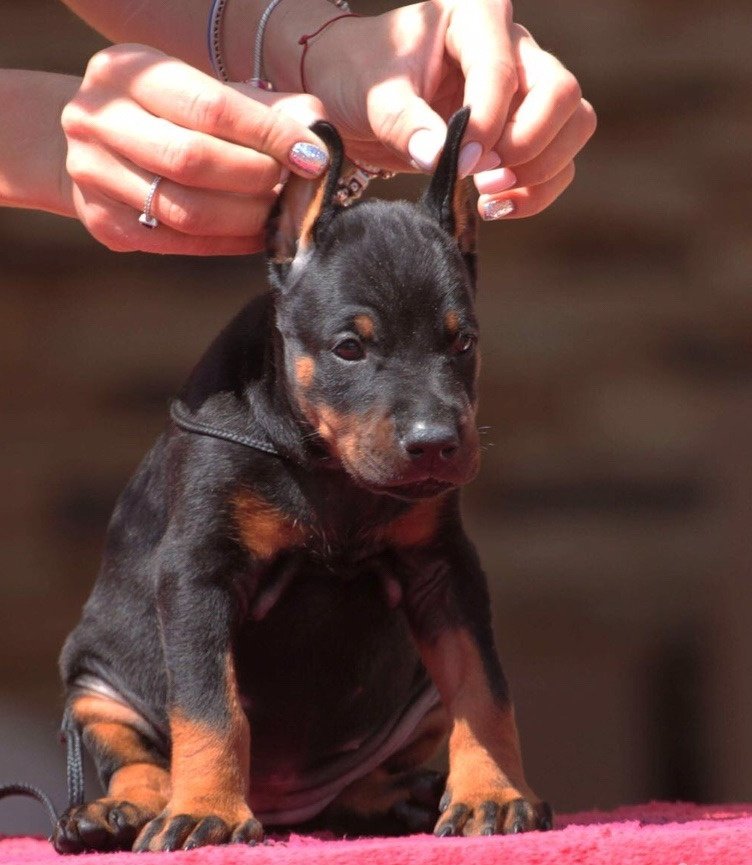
[[33, 143], [282, 47]]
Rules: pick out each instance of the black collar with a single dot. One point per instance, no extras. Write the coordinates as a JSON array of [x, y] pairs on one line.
[[184, 419]]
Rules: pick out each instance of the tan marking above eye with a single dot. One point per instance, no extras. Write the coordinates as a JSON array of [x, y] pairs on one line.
[[452, 322], [305, 368], [364, 326]]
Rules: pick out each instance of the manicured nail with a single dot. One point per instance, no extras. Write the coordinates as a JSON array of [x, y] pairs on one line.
[[424, 148], [469, 156], [491, 182], [309, 158], [489, 161], [497, 209]]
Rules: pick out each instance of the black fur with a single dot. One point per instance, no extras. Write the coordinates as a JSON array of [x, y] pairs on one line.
[[321, 657]]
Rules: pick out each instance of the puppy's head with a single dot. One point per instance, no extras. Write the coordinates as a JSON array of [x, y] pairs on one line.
[[379, 336]]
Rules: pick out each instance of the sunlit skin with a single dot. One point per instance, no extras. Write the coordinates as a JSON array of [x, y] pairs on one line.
[[140, 111]]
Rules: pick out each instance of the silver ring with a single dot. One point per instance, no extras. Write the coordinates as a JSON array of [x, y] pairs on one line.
[[147, 219]]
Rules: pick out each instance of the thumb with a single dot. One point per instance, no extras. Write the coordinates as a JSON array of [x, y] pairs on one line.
[[404, 122]]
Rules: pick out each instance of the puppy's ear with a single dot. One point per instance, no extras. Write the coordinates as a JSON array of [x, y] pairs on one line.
[[303, 208], [447, 198]]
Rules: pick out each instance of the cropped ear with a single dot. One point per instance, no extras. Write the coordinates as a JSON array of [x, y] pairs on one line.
[[447, 198], [303, 208]]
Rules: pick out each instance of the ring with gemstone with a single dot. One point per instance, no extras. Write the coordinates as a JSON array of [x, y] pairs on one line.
[[147, 218]]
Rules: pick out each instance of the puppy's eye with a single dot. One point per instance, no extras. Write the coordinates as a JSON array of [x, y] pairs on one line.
[[464, 342], [349, 349]]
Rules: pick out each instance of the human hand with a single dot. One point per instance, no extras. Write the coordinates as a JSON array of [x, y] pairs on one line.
[[409, 69], [139, 113]]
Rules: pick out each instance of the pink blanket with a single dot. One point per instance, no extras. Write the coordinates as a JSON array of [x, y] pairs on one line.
[[654, 834]]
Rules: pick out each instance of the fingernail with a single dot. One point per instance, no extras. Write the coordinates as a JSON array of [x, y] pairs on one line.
[[284, 176], [469, 156], [490, 182], [309, 158], [424, 147], [497, 209], [489, 161]]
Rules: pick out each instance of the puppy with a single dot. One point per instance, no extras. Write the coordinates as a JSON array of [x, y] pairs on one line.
[[289, 618]]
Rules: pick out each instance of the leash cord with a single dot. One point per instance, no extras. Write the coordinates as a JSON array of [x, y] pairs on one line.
[[33, 793], [74, 771], [74, 765]]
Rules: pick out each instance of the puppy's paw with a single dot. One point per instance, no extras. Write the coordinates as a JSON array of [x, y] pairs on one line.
[[101, 825], [494, 812], [184, 828]]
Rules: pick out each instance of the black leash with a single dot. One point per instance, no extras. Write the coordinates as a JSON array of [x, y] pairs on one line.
[[74, 772]]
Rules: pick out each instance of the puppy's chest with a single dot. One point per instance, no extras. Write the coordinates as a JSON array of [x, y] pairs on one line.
[[335, 541]]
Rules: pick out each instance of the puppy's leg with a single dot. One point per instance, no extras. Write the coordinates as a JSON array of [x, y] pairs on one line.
[[133, 771], [447, 602], [210, 734]]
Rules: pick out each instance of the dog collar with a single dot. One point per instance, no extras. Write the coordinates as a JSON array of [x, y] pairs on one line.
[[191, 424]]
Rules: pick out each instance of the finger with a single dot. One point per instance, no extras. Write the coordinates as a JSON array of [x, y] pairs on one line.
[[405, 123], [185, 156], [188, 210], [554, 159], [117, 227], [525, 201], [551, 96], [187, 97], [479, 40], [303, 107]]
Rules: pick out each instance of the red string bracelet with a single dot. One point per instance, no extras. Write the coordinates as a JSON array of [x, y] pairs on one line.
[[304, 40]]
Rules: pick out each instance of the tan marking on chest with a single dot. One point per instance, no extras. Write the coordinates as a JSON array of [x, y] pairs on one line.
[[264, 529], [417, 526]]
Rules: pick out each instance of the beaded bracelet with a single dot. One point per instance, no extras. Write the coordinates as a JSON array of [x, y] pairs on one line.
[[214, 40]]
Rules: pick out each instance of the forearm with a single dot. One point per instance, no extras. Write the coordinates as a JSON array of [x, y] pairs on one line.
[[178, 27], [32, 170]]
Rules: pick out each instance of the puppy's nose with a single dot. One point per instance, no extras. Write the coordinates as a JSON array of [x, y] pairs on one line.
[[427, 444]]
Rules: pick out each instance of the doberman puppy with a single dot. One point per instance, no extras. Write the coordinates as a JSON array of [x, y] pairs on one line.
[[289, 617]]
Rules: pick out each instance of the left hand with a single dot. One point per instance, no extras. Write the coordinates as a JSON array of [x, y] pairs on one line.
[[409, 69]]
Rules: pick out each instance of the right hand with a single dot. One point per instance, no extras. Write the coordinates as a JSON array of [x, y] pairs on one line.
[[139, 113]]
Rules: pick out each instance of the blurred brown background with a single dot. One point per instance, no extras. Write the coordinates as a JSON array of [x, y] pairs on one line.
[[613, 508]]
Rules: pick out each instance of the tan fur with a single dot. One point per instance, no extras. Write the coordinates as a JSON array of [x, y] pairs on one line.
[[305, 368], [484, 753], [417, 526], [210, 766], [263, 528], [364, 326]]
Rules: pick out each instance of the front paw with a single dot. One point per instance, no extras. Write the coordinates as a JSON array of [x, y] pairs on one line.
[[102, 825], [184, 828], [491, 812]]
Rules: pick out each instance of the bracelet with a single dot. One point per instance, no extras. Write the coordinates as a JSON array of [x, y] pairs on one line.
[[214, 41], [304, 40], [257, 77], [355, 179], [214, 38]]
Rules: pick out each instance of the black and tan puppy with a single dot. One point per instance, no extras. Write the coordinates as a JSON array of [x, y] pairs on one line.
[[289, 618]]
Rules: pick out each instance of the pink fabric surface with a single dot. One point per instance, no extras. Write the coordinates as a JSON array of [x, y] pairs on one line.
[[656, 834]]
